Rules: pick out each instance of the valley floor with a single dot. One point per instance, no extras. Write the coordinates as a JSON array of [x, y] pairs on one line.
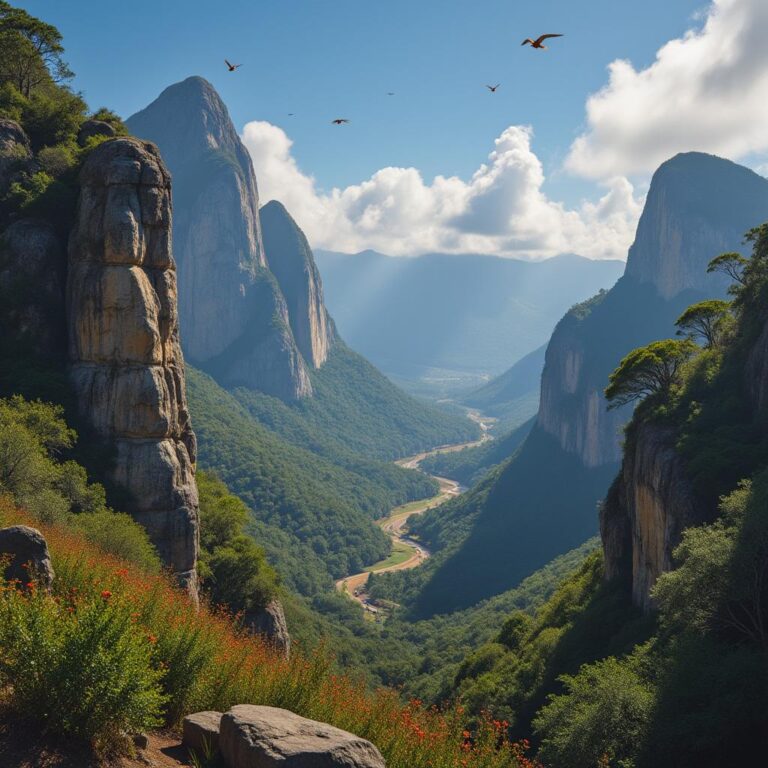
[[407, 552]]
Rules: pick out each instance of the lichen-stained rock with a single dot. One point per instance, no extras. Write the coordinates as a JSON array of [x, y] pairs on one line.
[[266, 737], [646, 511], [125, 358], [28, 560]]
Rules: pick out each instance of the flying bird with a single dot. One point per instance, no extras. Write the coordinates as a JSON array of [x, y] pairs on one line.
[[538, 43], [340, 121], [390, 93], [493, 88], [232, 67]]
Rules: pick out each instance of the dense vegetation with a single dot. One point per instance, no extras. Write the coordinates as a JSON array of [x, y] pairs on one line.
[[114, 650], [357, 412], [686, 685]]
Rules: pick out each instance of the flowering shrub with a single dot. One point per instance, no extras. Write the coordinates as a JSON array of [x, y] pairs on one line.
[[195, 660]]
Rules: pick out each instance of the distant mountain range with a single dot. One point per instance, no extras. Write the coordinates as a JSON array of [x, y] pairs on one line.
[[451, 321]]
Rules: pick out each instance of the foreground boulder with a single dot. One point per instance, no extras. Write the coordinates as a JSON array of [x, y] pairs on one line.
[[265, 737], [27, 554], [200, 733]]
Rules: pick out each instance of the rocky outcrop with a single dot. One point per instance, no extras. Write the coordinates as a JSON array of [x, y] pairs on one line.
[[646, 511], [126, 364], [24, 554], [92, 128], [291, 262], [15, 151], [697, 207], [266, 737], [235, 319], [32, 277], [270, 623]]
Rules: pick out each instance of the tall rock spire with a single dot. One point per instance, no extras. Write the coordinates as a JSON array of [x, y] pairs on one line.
[[125, 358], [236, 322], [291, 262]]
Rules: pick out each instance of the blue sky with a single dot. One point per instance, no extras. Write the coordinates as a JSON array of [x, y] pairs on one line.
[[338, 58]]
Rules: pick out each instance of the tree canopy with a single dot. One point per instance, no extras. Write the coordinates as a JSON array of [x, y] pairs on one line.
[[648, 371], [705, 319]]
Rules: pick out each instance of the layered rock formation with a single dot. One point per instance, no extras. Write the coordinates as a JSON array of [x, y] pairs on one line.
[[126, 362], [697, 207], [646, 511], [291, 262], [237, 323]]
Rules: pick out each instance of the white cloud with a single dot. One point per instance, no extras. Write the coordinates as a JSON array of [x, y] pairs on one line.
[[501, 209], [706, 91]]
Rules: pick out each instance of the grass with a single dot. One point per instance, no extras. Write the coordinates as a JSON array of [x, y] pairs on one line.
[[207, 663], [401, 552]]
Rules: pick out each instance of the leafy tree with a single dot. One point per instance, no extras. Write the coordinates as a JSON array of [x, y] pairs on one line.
[[599, 720], [706, 319], [31, 52], [648, 370], [731, 264]]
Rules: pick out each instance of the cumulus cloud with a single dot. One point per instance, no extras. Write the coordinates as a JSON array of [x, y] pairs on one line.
[[706, 91], [502, 209]]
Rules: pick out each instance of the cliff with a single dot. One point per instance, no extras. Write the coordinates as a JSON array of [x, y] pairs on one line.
[[649, 505], [291, 262], [236, 321], [126, 364], [697, 207]]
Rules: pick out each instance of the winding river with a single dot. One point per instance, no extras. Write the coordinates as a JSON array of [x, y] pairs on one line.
[[406, 552]]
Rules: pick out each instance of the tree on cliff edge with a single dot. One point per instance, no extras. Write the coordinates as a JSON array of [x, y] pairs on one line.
[[648, 371]]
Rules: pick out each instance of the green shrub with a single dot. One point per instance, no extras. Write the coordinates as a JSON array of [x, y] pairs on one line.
[[81, 668], [599, 720]]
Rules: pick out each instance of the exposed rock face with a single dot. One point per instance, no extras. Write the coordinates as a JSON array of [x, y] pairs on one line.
[[29, 559], [265, 737], [235, 319], [270, 622], [32, 266], [15, 151], [291, 261], [646, 511], [124, 351], [698, 206]]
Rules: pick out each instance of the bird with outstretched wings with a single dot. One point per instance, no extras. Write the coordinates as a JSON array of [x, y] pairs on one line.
[[538, 42], [340, 121], [493, 88], [232, 67]]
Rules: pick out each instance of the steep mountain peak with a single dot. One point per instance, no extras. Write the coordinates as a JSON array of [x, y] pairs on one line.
[[698, 206], [235, 318], [291, 261]]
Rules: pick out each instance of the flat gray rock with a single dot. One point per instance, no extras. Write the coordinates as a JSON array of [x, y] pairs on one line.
[[266, 737]]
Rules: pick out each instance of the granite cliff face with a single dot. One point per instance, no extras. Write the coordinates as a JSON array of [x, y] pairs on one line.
[[237, 324], [697, 207], [125, 358], [291, 262], [646, 511]]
